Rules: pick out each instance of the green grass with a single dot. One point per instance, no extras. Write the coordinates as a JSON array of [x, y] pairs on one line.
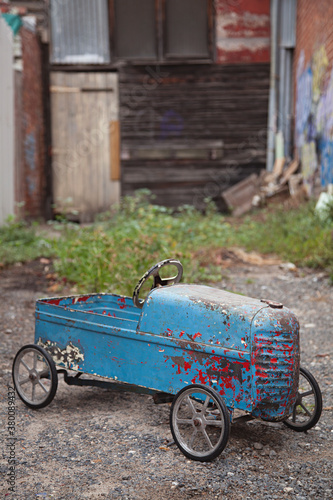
[[297, 235], [19, 242], [117, 249]]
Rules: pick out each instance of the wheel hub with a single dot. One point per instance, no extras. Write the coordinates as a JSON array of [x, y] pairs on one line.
[[197, 422], [298, 399], [33, 376]]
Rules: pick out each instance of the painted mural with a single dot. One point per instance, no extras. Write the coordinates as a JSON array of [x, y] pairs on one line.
[[314, 118]]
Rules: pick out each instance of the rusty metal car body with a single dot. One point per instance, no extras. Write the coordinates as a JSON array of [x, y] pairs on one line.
[[208, 351]]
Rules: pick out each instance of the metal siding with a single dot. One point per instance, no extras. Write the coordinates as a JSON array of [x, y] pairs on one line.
[[6, 123], [287, 40], [288, 24], [80, 32]]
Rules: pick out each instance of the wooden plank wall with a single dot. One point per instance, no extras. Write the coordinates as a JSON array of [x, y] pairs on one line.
[[189, 132], [84, 113], [7, 132]]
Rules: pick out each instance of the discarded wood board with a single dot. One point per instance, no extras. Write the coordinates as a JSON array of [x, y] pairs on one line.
[[278, 167], [295, 184], [290, 170], [239, 197], [278, 196]]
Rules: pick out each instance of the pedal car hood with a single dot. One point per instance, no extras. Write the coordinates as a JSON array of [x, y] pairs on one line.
[[200, 314]]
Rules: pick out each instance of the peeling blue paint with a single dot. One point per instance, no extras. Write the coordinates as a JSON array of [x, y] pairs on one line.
[[246, 349]]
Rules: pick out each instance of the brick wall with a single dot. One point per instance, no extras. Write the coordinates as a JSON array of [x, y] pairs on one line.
[[314, 27], [313, 79]]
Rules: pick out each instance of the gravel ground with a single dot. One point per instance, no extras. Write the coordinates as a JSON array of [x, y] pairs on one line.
[[93, 443]]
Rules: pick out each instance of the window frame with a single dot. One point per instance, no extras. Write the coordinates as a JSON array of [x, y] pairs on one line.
[[210, 37], [161, 33]]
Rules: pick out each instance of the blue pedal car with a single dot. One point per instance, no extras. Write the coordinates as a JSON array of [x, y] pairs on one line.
[[205, 350]]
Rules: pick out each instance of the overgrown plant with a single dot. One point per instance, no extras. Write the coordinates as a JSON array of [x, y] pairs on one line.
[[20, 242], [112, 253]]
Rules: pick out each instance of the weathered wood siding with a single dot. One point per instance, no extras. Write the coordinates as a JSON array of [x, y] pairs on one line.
[[189, 132], [84, 137], [7, 134]]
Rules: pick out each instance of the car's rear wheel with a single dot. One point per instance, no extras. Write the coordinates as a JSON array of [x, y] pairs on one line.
[[35, 376]]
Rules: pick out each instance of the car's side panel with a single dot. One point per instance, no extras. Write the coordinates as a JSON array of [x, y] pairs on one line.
[[102, 345]]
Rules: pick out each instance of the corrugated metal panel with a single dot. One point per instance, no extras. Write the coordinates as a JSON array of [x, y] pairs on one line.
[[288, 23], [6, 123], [80, 32]]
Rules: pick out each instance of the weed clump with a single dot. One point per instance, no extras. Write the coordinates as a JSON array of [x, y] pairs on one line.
[[112, 253], [19, 242]]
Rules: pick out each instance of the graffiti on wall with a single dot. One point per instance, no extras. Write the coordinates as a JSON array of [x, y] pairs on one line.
[[314, 119]]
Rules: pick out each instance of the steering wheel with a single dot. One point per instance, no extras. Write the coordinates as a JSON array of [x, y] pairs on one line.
[[158, 281]]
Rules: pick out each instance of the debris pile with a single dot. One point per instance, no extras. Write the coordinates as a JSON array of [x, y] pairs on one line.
[[258, 190]]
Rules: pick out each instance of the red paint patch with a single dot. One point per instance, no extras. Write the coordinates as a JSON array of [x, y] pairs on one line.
[[121, 303], [243, 55], [54, 302], [196, 335], [247, 365], [83, 299]]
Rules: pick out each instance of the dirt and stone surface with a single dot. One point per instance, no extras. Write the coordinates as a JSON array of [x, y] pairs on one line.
[[93, 443]]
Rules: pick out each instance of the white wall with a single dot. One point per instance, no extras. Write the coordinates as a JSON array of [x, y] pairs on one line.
[[6, 122]]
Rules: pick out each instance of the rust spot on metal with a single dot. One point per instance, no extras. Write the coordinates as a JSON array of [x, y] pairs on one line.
[[69, 356]]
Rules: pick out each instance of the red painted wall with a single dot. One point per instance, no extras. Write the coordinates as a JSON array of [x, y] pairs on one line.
[[32, 125], [242, 31]]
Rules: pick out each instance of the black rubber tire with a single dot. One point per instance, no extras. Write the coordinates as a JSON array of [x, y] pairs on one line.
[[53, 376], [223, 413], [318, 405]]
